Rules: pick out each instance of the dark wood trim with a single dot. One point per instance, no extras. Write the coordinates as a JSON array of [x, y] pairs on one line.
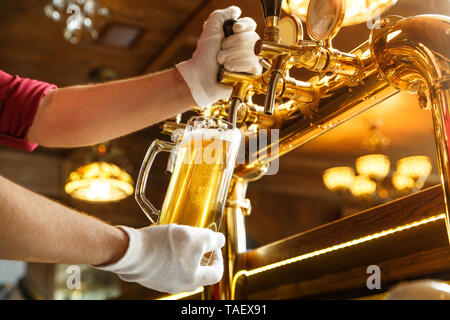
[[345, 269], [421, 205], [187, 30], [434, 263]]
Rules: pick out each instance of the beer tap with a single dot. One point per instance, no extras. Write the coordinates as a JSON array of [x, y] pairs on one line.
[[272, 11], [277, 56], [316, 55]]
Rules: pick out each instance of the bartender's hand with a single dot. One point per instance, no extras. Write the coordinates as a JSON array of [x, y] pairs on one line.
[[168, 258], [235, 53]]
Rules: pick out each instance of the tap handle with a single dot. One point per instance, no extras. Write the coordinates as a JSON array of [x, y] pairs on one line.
[[271, 8], [227, 31], [228, 27], [272, 12]]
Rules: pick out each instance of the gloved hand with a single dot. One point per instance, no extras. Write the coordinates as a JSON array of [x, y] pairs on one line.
[[236, 53], [168, 258]]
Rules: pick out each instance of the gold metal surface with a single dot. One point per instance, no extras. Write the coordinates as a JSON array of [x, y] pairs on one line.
[[324, 18], [338, 108], [234, 227], [311, 55], [291, 29], [413, 54], [272, 21]]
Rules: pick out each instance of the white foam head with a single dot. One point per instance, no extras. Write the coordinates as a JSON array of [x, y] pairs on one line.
[[233, 135]]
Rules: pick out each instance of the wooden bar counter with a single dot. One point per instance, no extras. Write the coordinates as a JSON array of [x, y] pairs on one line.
[[405, 238]]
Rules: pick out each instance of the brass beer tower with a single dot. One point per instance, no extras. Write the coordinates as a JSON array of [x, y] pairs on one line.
[[402, 54]]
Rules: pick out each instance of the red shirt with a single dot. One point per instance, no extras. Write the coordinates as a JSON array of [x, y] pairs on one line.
[[19, 101]]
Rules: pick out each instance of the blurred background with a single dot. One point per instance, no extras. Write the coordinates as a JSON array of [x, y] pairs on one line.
[[126, 38]]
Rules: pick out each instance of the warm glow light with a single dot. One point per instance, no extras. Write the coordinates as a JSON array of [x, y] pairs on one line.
[[338, 178], [375, 166], [99, 182], [415, 167], [363, 187], [98, 190], [340, 246], [402, 182], [357, 11]]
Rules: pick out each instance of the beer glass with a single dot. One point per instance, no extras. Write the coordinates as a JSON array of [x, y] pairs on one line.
[[204, 163]]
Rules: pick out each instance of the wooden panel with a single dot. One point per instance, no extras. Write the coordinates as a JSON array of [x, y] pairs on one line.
[[277, 214], [42, 52], [352, 283], [360, 254], [405, 210]]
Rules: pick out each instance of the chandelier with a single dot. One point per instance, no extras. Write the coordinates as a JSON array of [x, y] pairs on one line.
[[368, 181], [80, 17], [98, 179]]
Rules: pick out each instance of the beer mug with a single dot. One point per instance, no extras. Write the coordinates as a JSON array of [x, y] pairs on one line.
[[204, 163]]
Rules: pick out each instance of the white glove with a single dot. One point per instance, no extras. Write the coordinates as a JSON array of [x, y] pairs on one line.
[[237, 55], [168, 258]]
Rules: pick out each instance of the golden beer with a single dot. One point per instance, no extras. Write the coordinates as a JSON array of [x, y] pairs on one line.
[[198, 187], [195, 195]]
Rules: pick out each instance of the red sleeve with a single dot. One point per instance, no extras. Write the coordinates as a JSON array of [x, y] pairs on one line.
[[19, 101]]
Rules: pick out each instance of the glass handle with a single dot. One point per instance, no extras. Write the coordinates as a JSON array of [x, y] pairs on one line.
[[156, 147]]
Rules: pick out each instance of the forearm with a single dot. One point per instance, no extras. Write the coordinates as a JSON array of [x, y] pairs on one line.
[[36, 229], [85, 115]]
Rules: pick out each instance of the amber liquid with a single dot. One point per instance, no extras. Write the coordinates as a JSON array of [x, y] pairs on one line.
[[195, 193]]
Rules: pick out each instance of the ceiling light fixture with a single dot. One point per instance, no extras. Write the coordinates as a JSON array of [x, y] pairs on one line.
[[363, 187], [338, 179], [80, 16], [99, 180], [375, 166], [372, 169]]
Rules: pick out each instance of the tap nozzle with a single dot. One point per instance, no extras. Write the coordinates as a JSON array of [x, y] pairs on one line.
[[279, 67], [269, 102]]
